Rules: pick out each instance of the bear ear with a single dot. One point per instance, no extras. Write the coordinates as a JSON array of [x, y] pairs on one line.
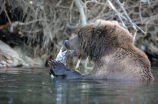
[[115, 22], [99, 23]]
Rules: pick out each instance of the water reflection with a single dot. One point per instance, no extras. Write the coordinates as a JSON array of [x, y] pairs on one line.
[[99, 91], [34, 86]]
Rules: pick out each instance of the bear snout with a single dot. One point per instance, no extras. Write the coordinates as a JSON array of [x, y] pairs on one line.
[[65, 42]]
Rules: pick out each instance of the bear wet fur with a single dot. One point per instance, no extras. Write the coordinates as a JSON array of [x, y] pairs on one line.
[[111, 48]]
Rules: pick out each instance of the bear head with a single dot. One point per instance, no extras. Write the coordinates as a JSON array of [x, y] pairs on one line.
[[99, 39]]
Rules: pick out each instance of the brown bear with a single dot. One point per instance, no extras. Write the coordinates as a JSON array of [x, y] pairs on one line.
[[111, 48]]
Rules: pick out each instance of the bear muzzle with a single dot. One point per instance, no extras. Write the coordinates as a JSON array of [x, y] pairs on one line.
[[65, 42], [72, 52]]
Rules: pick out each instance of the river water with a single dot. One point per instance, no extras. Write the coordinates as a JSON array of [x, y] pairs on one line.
[[34, 86]]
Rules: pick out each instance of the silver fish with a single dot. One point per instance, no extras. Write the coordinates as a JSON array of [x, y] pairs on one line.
[[61, 56]]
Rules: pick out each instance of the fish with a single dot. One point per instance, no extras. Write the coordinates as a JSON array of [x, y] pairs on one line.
[[61, 56]]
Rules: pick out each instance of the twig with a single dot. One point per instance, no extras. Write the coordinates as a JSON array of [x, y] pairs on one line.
[[134, 36], [58, 3], [140, 11], [95, 2], [70, 10], [15, 24], [27, 23], [6, 13], [86, 64], [118, 14], [78, 64], [26, 31], [71, 27], [28, 5], [129, 19]]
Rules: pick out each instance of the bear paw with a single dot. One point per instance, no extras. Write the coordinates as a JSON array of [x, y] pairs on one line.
[[57, 68]]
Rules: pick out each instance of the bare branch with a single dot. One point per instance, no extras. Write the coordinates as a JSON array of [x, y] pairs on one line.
[[117, 13], [59, 3], [82, 14], [129, 19], [6, 12], [140, 12], [71, 27]]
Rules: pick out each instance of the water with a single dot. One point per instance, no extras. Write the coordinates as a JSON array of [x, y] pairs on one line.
[[34, 86]]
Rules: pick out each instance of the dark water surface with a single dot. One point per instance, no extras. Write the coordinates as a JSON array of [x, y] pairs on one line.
[[33, 86]]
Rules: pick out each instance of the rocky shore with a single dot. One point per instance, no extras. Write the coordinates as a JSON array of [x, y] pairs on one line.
[[10, 57]]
